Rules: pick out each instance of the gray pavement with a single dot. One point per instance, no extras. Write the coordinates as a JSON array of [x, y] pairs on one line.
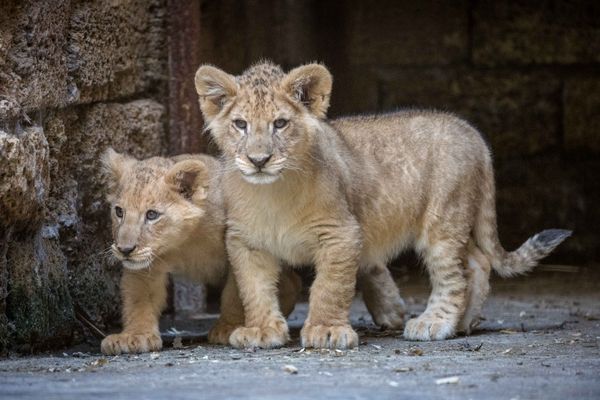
[[540, 340]]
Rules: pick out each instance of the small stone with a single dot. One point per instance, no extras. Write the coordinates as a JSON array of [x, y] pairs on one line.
[[290, 369], [415, 351], [448, 380], [177, 343]]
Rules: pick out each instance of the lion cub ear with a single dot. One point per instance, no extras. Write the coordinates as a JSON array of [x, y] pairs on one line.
[[215, 88], [190, 179], [115, 165], [310, 85]]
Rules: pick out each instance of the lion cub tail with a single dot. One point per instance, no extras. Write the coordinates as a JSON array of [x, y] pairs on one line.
[[527, 256]]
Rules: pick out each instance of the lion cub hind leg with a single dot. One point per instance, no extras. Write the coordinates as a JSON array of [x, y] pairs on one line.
[[448, 296], [257, 273], [382, 296], [290, 288], [478, 270]]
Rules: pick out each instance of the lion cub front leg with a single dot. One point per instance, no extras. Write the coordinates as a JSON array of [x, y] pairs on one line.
[[144, 295], [256, 273], [232, 309], [327, 324]]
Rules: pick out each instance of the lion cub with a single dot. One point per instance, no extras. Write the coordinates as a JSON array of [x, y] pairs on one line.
[[168, 217], [349, 195]]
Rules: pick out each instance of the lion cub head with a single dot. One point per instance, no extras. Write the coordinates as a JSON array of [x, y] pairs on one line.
[[264, 120], [154, 204]]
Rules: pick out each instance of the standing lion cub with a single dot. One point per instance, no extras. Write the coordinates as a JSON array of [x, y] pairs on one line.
[[347, 196], [168, 217]]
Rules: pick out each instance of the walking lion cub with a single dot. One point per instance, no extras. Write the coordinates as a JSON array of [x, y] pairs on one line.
[[347, 196], [168, 217]]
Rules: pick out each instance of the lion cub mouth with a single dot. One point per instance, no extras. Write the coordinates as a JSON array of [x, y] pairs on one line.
[[136, 265], [260, 177], [140, 260]]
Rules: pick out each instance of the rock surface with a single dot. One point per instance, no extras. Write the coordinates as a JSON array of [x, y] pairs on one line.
[[76, 77]]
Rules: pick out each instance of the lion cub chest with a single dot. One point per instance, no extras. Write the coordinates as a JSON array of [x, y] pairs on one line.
[[281, 232]]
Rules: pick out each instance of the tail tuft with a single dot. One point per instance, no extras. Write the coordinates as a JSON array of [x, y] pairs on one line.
[[530, 253], [550, 238]]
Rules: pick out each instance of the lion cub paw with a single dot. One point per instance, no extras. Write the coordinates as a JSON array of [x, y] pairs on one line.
[[331, 337], [265, 337], [429, 327], [391, 316], [131, 343], [221, 331]]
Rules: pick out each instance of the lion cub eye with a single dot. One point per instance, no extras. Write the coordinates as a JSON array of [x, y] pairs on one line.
[[151, 215], [280, 123], [118, 212], [240, 124]]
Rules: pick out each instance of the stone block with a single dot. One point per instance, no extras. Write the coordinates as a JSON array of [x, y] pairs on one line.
[[39, 305], [582, 117], [115, 48], [405, 32], [57, 53], [33, 70], [518, 112], [536, 32], [4, 339], [24, 178]]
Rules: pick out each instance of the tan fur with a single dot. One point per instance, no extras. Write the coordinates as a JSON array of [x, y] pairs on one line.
[[347, 196], [187, 239]]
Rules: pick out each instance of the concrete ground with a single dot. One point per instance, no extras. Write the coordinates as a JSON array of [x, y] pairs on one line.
[[540, 340]]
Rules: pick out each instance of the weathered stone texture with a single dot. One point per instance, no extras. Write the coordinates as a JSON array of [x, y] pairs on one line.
[[33, 71], [582, 116], [518, 112], [56, 53], [39, 305], [112, 50], [24, 178], [536, 32], [55, 58]]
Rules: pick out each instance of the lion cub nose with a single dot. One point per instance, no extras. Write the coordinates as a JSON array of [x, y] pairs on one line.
[[126, 250], [259, 160]]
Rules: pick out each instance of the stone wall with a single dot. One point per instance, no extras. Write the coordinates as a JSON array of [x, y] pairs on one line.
[[75, 77], [527, 74]]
